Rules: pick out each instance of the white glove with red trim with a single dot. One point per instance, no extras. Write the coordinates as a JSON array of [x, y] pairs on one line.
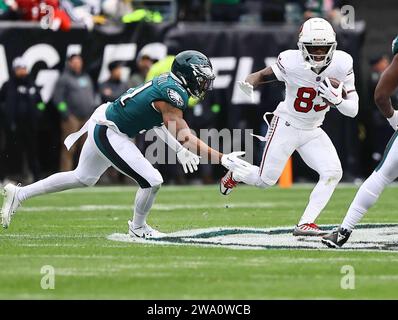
[[330, 93]]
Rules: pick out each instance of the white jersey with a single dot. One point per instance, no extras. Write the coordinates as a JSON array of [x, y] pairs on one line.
[[303, 108]]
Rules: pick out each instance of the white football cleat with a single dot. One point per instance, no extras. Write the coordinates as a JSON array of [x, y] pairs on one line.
[[227, 183], [144, 232], [10, 204], [308, 229]]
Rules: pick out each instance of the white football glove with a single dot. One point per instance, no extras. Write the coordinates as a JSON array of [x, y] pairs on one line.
[[393, 121], [232, 162], [331, 94], [247, 88], [188, 160]]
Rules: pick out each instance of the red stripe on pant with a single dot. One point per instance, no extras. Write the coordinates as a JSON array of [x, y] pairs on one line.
[[268, 144]]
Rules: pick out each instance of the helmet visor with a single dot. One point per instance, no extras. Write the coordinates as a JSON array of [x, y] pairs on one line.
[[205, 84]]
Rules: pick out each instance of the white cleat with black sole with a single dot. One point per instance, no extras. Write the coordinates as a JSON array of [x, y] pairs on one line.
[[10, 204], [144, 232]]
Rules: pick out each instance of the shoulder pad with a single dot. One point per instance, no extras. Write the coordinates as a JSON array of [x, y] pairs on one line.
[[175, 95], [344, 61]]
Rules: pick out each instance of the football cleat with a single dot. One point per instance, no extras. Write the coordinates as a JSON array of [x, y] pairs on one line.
[[144, 232], [227, 183], [10, 204], [336, 238], [308, 229]]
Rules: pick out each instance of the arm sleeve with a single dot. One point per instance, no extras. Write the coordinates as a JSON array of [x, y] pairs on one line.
[[279, 68], [349, 82], [168, 138], [349, 106]]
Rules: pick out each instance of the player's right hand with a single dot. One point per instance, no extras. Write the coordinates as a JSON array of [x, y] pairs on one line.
[[393, 121], [247, 88], [188, 160]]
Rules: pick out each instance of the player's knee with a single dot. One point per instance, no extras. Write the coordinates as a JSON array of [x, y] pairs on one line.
[[266, 180], [156, 180], [260, 183], [84, 179], [332, 176]]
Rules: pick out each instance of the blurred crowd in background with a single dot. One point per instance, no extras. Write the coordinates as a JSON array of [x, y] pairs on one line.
[[90, 13], [23, 114]]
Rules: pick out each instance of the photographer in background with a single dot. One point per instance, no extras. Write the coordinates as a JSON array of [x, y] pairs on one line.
[[21, 105]]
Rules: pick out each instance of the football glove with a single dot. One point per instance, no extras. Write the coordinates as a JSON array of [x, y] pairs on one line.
[[247, 88], [188, 160], [393, 121], [232, 162], [331, 94]]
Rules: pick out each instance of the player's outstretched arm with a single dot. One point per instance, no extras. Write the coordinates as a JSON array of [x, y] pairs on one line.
[[265, 75], [174, 122], [384, 90]]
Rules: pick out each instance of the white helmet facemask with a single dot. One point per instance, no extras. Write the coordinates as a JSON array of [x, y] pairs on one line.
[[317, 32]]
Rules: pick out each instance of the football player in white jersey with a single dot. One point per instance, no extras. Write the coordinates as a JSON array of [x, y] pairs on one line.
[[387, 170], [314, 76]]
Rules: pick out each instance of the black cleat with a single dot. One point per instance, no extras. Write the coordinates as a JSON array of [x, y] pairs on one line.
[[336, 238]]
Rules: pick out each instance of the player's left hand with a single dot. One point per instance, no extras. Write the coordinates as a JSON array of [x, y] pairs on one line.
[[188, 160], [331, 94], [247, 88]]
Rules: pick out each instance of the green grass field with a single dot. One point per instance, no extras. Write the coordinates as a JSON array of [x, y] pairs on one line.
[[68, 231]]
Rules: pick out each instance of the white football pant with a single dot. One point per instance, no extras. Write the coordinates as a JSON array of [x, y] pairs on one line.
[[385, 173], [103, 148], [317, 151]]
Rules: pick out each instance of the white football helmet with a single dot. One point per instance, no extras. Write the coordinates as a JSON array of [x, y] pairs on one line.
[[317, 32]]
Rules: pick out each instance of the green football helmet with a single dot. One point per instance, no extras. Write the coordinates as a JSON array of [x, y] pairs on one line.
[[395, 46], [195, 72]]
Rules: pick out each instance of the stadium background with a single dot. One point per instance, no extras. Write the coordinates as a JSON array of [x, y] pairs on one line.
[[246, 38]]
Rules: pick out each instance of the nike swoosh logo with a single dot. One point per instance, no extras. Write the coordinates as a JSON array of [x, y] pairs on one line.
[[137, 235]]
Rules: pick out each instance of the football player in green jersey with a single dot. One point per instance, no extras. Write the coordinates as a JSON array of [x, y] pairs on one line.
[[157, 104], [387, 170]]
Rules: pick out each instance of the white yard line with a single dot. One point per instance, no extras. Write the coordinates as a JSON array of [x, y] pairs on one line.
[[192, 188], [159, 207]]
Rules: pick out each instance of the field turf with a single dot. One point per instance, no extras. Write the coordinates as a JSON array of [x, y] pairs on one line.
[[68, 231]]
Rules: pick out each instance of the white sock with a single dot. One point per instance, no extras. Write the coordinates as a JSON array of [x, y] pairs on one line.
[[319, 198], [144, 199], [57, 182], [366, 196]]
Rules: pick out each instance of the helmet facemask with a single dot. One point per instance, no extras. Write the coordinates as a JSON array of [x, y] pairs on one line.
[[194, 71], [204, 78], [317, 60], [317, 42]]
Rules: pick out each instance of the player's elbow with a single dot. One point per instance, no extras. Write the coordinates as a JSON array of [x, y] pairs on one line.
[[354, 111], [349, 107], [380, 98]]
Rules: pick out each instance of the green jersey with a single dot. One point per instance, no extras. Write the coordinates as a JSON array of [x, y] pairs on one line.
[[133, 112]]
